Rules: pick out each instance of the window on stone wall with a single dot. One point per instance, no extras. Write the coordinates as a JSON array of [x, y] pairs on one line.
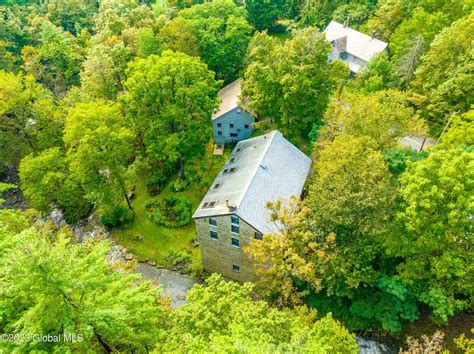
[[219, 133], [234, 135], [235, 268], [214, 235], [231, 125], [234, 219], [212, 222], [234, 229], [247, 126], [258, 236], [235, 242], [219, 125]]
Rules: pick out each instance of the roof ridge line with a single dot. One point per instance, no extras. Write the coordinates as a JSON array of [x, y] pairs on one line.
[[273, 134]]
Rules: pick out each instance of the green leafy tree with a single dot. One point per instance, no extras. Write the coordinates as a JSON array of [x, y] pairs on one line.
[[412, 38], [398, 158], [290, 82], [332, 244], [384, 116], [378, 74], [436, 239], [234, 322], [446, 71], [51, 285], [179, 35], [47, 183], [358, 12], [263, 14], [170, 99], [56, 61], [27, 117], [104, 70], [99, 146], [223, 35], [461, 131]]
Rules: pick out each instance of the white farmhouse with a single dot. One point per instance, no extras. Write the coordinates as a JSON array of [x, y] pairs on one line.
[[354, 48]]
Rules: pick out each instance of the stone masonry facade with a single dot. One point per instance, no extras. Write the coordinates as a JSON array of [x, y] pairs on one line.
[[221, 255]]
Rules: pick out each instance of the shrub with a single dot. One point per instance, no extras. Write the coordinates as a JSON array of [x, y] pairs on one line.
[[179, 185], [117, 216], [170, 212], [155, 183], [178, 260]]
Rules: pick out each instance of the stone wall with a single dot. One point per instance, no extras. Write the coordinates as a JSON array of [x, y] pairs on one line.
[[220, 255]]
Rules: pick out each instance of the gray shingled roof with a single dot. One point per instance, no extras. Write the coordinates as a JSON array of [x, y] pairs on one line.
[[356, 43], [229, 97], [268, 167]]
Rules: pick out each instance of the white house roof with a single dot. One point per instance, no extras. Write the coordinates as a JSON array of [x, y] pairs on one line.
[[267, 167], [229, 97], [354, 42]]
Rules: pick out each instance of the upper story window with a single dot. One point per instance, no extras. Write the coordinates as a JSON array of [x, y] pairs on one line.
[[234, 229], [209, 204], [239, 110], [231, 125], [219, 133], [212, 222], [234, 135], [235, 268], [214, 235], [219, 125], [258, 236], [246, 126], [235, 242], [234, 220], [217, 186], [233, 159]]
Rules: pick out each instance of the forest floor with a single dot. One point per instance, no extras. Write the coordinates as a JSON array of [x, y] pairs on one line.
[[156, 242]]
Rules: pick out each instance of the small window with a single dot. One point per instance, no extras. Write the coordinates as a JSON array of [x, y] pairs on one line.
[[235, 242], [219, 133], [234, 135], [217, 186], [232, 169], [258, 236], [212, 222], [214, 235], [234, 220], [234, 229], [226, 170], [219, 125], [233, 159], [209, 204], [231, 125], [235, 268], [239, 110], [238, 149], [246, 126]]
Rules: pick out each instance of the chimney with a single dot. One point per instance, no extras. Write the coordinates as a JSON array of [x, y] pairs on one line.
[[347, 21], [373, 34]]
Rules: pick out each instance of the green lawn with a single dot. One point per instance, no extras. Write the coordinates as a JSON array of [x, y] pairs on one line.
[[158, 241]]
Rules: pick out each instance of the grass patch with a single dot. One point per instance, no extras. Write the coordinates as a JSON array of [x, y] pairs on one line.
[[157, 242]]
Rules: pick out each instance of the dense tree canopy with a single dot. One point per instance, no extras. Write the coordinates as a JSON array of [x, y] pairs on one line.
[[223, 35], [49, 284], [27, 112], [384, 116], [98, 144], [445, 73], [290, 82], [222, 317], [263, 14], [170, 100]]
